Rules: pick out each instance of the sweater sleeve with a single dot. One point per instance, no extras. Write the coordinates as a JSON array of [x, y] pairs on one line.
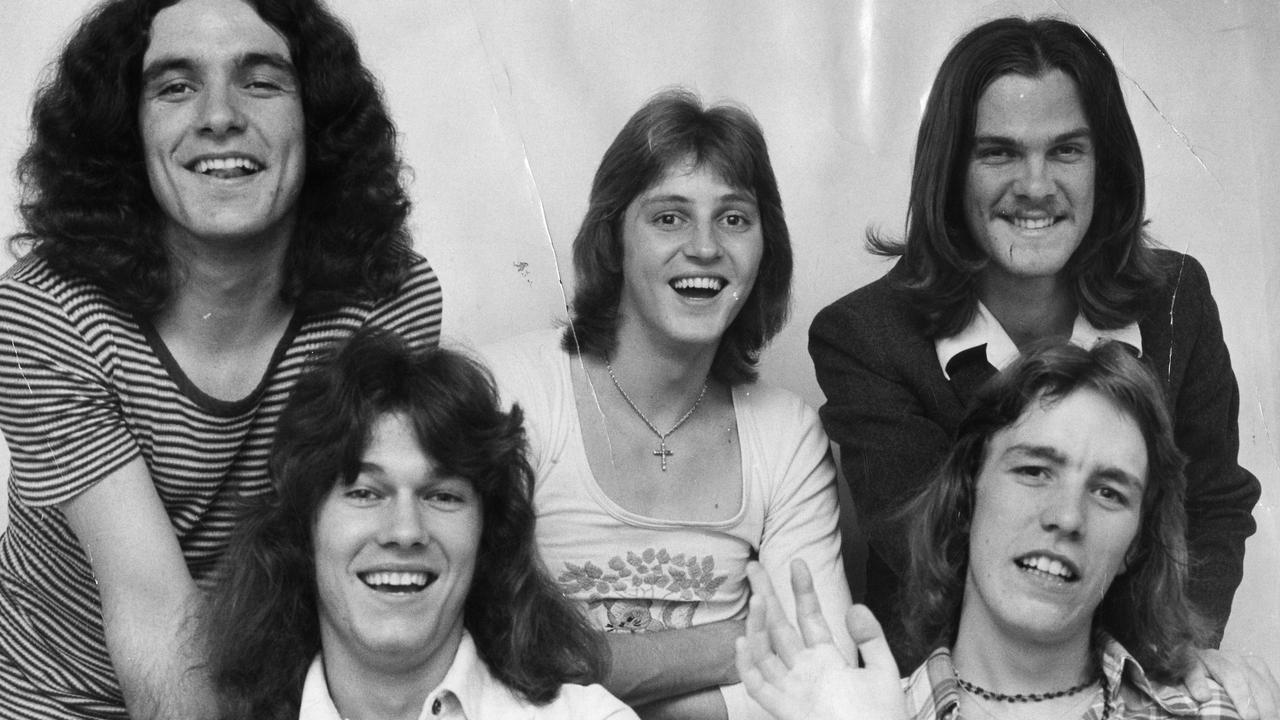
[[61, 418], [802, 518], [889, 442], [1220, 493]]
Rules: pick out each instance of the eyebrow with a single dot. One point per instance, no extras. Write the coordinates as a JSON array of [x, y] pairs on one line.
[[1052, 455], [741, 197], [170, 63], [1079, 133]]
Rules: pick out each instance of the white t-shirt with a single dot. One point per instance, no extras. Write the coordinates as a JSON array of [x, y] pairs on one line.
[[633, 573]]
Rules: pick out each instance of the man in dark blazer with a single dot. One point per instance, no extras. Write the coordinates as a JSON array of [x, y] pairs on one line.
[[1025, 227]]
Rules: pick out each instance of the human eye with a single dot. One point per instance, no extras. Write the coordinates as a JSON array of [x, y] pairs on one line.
[[668, 220], [737, 220], [361, 494], [172, 88], [1113, 496], [994, 154], [1071, 152], [1032, 473], [452, 495]]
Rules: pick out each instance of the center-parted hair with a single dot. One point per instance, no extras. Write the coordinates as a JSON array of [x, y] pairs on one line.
[[668, 130], [1146, 608], [262, 623], [1113, 271], [88, 207]]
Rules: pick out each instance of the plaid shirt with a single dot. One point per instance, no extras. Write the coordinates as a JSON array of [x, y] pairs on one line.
[[933, 694]]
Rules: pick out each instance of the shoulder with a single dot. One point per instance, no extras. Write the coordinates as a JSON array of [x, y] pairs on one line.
[[1142, 696], [35, 296], [773, 404], [420, 284], [879, 312], [1181, 273], [584, 702]]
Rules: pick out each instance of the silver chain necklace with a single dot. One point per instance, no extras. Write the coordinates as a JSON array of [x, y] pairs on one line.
[[662, 453]]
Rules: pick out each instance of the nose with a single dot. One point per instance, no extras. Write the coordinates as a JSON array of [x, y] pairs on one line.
[[704, 242], [1035, 181], [1063, 512], [220, 109], [403, 524]]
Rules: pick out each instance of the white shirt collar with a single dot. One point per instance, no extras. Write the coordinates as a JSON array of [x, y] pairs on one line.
[[984, 329], [468, 690]]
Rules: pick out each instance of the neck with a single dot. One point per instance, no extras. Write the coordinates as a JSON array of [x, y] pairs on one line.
[[222, 293], [385, 689], [1002, 662], [1029, 309], [662, 381]]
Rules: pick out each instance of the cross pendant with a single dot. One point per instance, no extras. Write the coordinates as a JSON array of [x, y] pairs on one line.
[[663, 453]]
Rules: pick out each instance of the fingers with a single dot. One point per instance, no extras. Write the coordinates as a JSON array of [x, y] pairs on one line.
[[765, 693], [783, 637], [1197, 680], [1266, 689], [869, 637], [1250, 691], [813, 626]]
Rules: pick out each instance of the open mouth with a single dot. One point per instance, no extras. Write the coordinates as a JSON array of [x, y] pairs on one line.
[[698, 287], [1048, 567], [1030, 223], [399, 582], [226, 168]]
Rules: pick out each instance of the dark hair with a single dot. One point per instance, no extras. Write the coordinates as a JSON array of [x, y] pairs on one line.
[[1146, 608], [672, 126], [262, 622], [1114, 269], [88, 206]]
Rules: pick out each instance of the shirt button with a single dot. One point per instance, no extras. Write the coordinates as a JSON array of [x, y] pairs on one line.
[[435, 707]]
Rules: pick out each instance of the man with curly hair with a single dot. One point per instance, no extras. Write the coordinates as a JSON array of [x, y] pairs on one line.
[[212, 197]]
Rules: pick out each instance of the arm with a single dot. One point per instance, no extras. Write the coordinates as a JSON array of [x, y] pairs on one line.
[[802, 516], [1220, 494], [889, 441], [648, 667], [72, 449], [148, 596], [802, 676]]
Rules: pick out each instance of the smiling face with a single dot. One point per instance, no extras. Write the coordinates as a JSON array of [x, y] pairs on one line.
[[1057, 506], [1029, 189], [691, 249], [394, 554], [221, 121]]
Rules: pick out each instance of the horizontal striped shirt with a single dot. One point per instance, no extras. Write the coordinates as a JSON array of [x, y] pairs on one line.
[[85, 387]]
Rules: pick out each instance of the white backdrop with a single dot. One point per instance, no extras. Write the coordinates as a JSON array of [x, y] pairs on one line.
[[506, 107]]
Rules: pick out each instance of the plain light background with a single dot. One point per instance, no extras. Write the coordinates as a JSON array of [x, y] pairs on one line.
[[505, 108]]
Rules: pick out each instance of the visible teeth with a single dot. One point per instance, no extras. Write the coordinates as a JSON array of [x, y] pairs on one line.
[[1032, 223], [232, 163], [1048, 566], [698, 283], [396, 579]]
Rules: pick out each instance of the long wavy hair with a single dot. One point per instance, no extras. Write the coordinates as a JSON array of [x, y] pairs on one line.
[[88, 208], [1114, 270], [262, 625], [1146, 608], [671, 127]]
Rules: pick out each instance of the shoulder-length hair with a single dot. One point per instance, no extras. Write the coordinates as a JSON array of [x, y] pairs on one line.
[[670, 128], [1114, 269], [88, 207], [1146, 608], [262, 624]]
